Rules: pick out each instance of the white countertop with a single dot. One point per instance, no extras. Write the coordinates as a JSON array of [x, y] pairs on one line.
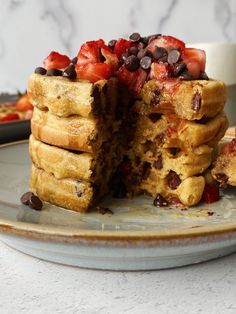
[[29, 285]]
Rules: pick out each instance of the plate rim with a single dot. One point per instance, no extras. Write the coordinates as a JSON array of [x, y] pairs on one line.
[[75, 235]]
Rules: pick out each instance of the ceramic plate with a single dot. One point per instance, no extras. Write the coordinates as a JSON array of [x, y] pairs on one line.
[[137, 236]]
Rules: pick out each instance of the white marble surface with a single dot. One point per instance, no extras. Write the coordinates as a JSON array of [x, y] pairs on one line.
[[29, 285], [30, 29]]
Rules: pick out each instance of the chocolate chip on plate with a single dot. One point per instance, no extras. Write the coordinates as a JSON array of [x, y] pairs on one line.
[[112, 43], [70, 72], [145, 63], [135, 37], [132, 63], [25, 198], [196, 101], [173, 56], [35, 202], [54, 72], [40, 70], [74, 60], [104, 210], [160, 201]]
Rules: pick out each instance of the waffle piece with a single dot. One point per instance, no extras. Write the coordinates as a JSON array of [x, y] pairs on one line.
[[72, 194], [189, 100], [224, 168]]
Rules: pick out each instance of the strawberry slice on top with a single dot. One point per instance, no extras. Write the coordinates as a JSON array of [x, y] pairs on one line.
[[167, 42], [122, 45], [94, 72], [56, 60], [90, 52], [195, 59]]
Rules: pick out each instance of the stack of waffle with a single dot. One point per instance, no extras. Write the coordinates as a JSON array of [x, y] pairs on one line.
[[72, 146], [177, 126]]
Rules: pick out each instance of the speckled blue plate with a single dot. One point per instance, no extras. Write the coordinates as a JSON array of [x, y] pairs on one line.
[[138, 235]]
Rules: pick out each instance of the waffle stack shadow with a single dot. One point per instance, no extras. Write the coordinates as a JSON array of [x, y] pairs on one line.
[[72, 145]]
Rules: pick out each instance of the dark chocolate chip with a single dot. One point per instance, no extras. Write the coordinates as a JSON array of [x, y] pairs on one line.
[[154, 117], [112, 43], [145, 63], [70, 72], [133, 51], [74, 60], [197, 101], [159, 139], [146, 170], [124, 56], [135, 37], [173, 180], [204, 76], [160, 201], [158, 164], [141, 53], [160, 54], [222, 179], [104, 210], [156, 96], [35, 202], [25, 198], [40, 70], [186, 76], [54, 72], [141, 45], [145, 40], [173, 56], [178, 68], [132, 63]]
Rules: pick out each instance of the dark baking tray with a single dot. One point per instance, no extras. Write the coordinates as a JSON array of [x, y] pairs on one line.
[[13, 130]]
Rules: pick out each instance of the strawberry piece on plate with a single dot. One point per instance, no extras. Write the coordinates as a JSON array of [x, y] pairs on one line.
[[10, 117], [94, 72], [23, 104], [229, 147], [56, 60], [110, 58], [211, 193], [160, 71], [134, 80], [90, 52], [122, 45], [167, 42], [195, 59]]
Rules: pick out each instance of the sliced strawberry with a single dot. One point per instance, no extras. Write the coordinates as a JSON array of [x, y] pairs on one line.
[[110, 57], [10, 117], [211, 193], [90, 52], [122, 45], [56, 60], [195, 60], [160, 71], [167, 42], [23, 104], [134, 80], [94, 72], [229, 147]]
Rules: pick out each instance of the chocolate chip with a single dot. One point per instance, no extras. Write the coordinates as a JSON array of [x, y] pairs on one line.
[[158, 164], [141, 53], [160, 54], [135, 37], [112, 43], [222, 179], [174, 151], [146, 170], [141, 45], [104, 210], [204, 76], [35, 202], [25, 198], [132, 63], [186, 76], [156, 96], [74, 60], [173, 180], [40, 70], [54, 72], [173, 56], [145, 63], [160, 201], [124, 56], [178, 68], [133, 51], [70, 72], [154, 117], [197, 101], [145, 40]]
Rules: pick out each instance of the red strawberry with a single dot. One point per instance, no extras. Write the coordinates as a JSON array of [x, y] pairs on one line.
[[56, 60], [110, 57], [229, 147], [90, 52], [134, 80], [121, 46], [211, 193], [94, 72], [23, 104], [160, 71], [167, 42], [195, 60], [10, 117]]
